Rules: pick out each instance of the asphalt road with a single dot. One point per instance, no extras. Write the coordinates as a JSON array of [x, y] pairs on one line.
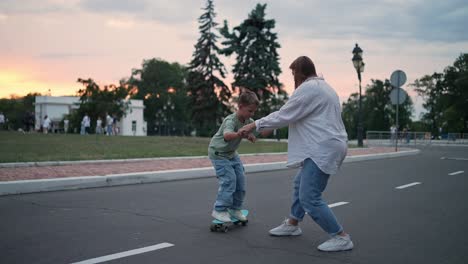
[[422, 223]]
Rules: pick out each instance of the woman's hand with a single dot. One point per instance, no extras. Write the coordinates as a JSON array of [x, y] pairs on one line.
[[245, 130]]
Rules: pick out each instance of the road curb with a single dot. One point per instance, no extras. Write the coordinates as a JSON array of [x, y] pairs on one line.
[[79, 162], [73, 183]]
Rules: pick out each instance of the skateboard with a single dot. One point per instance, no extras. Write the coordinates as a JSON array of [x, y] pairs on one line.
[[217, 225]]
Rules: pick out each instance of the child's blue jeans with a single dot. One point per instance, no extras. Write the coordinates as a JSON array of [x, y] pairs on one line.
[[309, 184], [231, 181]]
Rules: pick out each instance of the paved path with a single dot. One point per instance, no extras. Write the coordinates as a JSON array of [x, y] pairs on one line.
[[106, 168], [417, 224]]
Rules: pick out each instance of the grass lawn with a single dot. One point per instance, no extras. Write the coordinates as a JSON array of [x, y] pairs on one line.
[[17, 147]]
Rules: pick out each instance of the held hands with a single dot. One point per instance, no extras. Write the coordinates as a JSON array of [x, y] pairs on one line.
[[251, 137], [246, 132], [248, 135], [247, 129]]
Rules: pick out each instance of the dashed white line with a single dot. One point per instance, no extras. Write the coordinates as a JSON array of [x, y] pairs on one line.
[[337, 204], [448, 158], [125, 254], [407, 185], [457, 172]]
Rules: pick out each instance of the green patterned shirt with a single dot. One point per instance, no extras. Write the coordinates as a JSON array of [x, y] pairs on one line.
[[222, 149]]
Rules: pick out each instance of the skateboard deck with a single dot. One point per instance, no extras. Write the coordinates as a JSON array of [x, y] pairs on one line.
[[217, 225]]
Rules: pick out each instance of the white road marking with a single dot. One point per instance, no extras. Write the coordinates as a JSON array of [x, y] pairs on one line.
[[457, 172], [448, 158], [337, 204], [407, 185], [125, 254]]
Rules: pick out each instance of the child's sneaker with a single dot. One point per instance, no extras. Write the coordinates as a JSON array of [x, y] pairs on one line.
[[237, 214], [286, 229], [337, 243], [221, 216]]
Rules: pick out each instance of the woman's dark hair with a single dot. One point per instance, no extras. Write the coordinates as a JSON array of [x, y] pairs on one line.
[[302, 68], [247, 97]]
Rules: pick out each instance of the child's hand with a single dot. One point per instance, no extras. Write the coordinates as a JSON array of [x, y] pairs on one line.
[[242, 133], [247, 128], [251, 138]]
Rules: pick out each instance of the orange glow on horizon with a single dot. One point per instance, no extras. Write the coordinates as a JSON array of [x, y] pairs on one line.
[[17, 84]]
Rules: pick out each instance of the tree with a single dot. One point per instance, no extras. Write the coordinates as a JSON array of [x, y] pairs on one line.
[[161, 86], [350, 111], [446, 97], [96, 102], [15, 109], [378, 112], [455, 113], [209, 96], [430, 88], [377, 108], [257, 60]]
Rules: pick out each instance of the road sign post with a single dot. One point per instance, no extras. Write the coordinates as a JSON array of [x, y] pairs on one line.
[[397, 79]]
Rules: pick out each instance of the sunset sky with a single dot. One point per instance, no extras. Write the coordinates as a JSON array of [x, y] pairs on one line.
[[49, 44]]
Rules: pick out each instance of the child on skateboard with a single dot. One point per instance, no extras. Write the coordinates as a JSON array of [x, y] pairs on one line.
[[222, 152]]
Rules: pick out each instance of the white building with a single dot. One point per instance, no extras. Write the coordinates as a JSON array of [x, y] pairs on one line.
[[131, 124]]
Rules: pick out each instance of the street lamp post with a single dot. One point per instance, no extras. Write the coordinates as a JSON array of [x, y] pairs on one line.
[[359, 66], [169, 109], [160, 117], [165, 118]]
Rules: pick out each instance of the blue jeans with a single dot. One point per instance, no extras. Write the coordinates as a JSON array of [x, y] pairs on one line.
[[231, 181], [109, 130], [309, 184]]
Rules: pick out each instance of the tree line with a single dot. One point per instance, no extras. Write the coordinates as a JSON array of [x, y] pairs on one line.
[[445, 98], [194, 97]]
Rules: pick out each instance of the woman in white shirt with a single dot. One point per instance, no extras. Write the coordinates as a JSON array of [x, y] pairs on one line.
[[317, 144]]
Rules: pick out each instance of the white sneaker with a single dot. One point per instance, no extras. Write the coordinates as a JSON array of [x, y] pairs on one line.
[[221, 216], [286, 229], [337, 243], [237, 214]]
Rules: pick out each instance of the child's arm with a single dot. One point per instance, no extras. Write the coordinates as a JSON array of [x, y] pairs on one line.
[[228, 136]]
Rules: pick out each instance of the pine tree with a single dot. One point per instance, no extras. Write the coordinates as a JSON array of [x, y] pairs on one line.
[[209, 95], [257, 63]]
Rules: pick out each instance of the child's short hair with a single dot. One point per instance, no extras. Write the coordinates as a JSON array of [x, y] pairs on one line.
[[247, 97]]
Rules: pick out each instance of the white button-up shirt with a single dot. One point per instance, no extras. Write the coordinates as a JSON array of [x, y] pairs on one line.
[[316, 129]]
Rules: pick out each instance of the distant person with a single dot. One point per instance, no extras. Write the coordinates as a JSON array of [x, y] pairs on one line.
[[317, 144], [46, 124], [404, 135], [408, 135], [86, 124], [2, 121], [393, 133], [115, 129], [222, 152], [66, 124], [109, 122], [31, 121], [99, 126]]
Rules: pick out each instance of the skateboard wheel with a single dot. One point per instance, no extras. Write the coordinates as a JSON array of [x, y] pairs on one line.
[[244, 223], [225, 229], [212, 228]]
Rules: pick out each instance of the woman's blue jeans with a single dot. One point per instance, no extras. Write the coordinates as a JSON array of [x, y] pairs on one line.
[[231, 180], [309, 184]]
